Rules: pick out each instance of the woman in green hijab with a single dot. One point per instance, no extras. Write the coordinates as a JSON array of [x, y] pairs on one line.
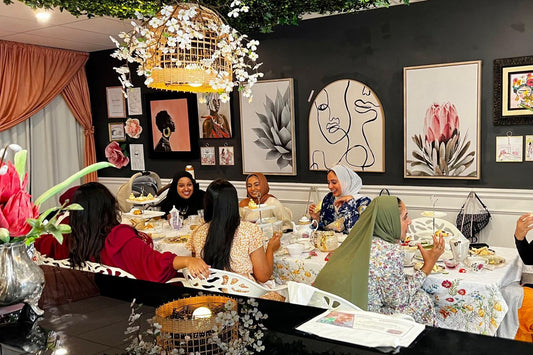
[[367, 269]]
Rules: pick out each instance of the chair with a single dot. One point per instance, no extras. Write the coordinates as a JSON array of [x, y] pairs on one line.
[[140, 183], [89, 266], [228, 282], [300, 293]]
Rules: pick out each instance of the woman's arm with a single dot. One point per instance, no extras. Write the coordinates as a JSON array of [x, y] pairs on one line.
[[523, 225], [351, 210], [263, 261]]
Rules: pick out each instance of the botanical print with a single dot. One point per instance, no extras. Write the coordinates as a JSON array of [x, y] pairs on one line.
[[440, 148], [529, 148], [509, 149], [133, 128], [267, 129], [442, 120], [522, 90], [346, 126]]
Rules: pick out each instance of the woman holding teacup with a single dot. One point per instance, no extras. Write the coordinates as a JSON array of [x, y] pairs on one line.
[[342, 203], [367, 269]]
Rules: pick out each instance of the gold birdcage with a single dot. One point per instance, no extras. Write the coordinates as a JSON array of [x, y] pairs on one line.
[[189, 69]]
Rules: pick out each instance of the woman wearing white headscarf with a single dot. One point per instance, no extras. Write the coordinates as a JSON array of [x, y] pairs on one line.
[[344, 200]]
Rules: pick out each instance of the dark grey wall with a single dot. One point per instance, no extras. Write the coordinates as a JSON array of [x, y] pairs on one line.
[[372, 47]]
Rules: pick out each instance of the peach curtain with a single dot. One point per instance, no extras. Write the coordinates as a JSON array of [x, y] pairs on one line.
[[76, 94], [32, 76]]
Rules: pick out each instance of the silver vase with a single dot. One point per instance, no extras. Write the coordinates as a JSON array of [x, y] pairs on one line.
[[21, 279]]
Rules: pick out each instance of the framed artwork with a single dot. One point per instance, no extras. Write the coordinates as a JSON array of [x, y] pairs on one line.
[[116, 132], [509, 149], [207, 156], [347, 126], [135, 106], [226, 156], [529, 148], [267, 129], [442, 121], [116, 104], [172, 124], [214, 116], [513, 91]]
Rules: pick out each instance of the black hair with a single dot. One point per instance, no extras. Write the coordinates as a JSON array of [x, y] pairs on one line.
[[91, 225], [222, 211], [162, 119]]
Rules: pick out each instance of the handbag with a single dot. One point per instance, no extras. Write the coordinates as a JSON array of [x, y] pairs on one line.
[[473, 217]]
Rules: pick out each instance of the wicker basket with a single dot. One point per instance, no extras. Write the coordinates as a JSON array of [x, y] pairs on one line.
[[192, 335]]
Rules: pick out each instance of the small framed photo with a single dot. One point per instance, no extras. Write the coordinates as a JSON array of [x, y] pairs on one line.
[[134, 102], [116, 104], [529, 148], [509, 149], [207, 156], [225, 155], [116, 132]]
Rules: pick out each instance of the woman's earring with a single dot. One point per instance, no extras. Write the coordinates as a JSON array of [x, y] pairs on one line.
[[166, 132]]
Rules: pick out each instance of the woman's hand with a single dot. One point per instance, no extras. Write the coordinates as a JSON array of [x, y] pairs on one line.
[[196, 267], [340, 201], [274, 243], [431, 256], [314, 215], [523, 225]]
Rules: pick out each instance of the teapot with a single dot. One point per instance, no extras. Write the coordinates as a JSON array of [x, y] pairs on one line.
[[305, 227], [325, 240]]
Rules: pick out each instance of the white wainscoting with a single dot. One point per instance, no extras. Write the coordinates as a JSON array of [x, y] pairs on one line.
[[505, 205]]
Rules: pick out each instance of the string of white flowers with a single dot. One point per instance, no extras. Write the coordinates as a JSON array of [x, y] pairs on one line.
[[179, 31]]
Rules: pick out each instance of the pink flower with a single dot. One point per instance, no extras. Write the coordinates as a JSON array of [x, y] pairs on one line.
[[441, 122], [446, 284], [133, 128], [16, 211], [114, 155], [10, 183]]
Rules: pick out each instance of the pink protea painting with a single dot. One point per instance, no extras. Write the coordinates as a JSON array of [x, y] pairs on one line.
[[441, 151]]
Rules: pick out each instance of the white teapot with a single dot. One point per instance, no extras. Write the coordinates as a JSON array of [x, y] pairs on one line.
[[305, 227]]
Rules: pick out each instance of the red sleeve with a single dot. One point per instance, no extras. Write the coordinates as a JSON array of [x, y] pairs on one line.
[[124, 249], [49, 246]]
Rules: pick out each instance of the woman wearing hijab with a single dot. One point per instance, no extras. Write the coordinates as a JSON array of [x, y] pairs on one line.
[[344, 199], [184, 193], [367, 269], [257, 190]]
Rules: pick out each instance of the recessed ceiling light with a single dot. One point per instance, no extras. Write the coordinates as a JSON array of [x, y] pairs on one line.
[[42, 15]]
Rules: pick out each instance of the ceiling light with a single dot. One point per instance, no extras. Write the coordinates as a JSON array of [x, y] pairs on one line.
[[42, 15]]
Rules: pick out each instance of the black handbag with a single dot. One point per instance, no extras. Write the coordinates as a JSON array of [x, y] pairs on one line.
[[473, 217]]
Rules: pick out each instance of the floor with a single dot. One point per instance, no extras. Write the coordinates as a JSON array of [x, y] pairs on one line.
[[93, 326]]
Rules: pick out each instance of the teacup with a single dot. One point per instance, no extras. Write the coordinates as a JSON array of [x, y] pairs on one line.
[[408, 254], [476, 263], [295, 249]]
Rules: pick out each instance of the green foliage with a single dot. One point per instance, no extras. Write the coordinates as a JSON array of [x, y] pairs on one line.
[[263, 15]]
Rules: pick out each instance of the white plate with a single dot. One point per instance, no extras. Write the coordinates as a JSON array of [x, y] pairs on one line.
[[144, 214], [155, 200], [432, 214], [437, 269], [446, 255], [261, 207]]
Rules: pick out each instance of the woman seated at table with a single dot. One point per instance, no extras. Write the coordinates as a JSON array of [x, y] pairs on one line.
[[344, 200], [184, 193], [258, 192], [98, 236], [227, 243], [525, 314], [367, 269]]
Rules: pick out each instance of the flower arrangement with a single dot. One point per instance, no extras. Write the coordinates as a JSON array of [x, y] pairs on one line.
[[248, 317], [441, 150], [177, 28], [20, 219]]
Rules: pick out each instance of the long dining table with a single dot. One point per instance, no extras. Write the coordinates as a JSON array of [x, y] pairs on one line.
[[465, 300]]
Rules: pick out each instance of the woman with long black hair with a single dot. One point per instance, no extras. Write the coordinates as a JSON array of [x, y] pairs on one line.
[[184, 193], [225, 242]]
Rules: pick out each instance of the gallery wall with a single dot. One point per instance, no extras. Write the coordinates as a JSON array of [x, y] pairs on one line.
[[371, 47]]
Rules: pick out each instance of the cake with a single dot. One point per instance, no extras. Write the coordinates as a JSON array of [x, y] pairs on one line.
[[252, 205]]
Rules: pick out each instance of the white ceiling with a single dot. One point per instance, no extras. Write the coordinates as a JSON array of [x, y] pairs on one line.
[[18, 24]]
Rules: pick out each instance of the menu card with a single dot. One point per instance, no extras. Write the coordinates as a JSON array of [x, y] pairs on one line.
[[364, 328]]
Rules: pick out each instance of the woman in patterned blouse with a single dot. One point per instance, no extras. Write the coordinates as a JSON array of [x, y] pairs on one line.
[[344, 200], [227, 243], [367, 269]]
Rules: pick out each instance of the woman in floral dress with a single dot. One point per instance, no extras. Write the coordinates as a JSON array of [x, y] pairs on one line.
[[367, 269]]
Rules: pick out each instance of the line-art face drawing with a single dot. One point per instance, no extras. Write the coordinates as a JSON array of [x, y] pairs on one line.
[[346, 127]]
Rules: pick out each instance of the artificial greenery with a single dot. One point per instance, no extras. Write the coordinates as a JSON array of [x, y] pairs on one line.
[[262, 16]]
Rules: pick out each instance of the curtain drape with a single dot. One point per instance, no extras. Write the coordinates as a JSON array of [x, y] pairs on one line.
[[32, 76], [77, 96]]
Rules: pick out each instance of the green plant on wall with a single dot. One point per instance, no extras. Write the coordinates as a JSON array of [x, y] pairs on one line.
[[262, 16]]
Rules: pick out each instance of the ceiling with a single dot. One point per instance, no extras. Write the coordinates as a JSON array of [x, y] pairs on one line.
[[63, 30]]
